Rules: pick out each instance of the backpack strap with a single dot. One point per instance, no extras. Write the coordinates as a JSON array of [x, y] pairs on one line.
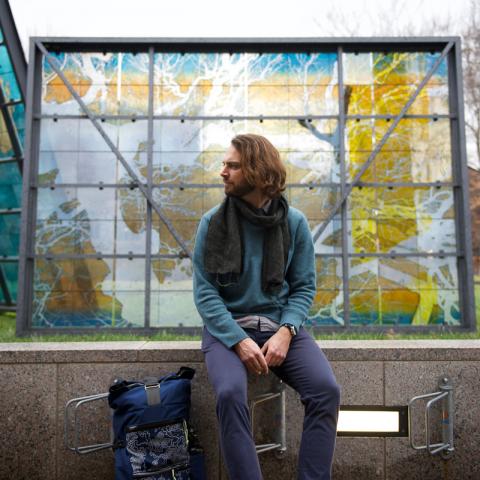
[[152, 391]]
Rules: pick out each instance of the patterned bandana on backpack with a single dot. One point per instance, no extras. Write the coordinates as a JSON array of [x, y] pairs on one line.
[[151, 434]]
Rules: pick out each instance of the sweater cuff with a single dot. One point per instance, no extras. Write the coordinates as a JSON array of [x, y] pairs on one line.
[[295, 318], [235, 337]]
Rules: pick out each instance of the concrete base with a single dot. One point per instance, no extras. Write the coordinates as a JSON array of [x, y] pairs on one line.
[[39, 378]]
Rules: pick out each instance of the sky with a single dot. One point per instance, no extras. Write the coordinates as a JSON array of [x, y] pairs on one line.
[[226, 18], [245, 18]]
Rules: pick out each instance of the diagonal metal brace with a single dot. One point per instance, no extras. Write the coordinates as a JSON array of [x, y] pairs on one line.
[[54, 64], [380, 145]]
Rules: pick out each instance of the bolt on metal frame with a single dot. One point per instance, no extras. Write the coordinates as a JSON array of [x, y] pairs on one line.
[[449, 48]]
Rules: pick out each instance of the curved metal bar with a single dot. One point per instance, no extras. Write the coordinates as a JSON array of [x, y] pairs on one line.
[[410, 425], [77, 403], [67, 417]]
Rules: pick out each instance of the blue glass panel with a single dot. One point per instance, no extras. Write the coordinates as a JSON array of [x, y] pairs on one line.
[[10, 177], [10, 273], [8, 81], [9, 234], [10, 186]]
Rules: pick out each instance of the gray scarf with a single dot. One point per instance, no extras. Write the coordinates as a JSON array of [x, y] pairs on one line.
[[224, 247]]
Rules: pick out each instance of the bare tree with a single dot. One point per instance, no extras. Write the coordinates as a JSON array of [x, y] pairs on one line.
[[471, 72]]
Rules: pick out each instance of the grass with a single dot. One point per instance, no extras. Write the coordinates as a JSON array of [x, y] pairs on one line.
[[7, 333]]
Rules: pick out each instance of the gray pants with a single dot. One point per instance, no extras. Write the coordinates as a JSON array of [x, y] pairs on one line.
[[305, 369]]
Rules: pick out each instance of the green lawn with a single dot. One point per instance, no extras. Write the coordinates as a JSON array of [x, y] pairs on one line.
[[7, 333]]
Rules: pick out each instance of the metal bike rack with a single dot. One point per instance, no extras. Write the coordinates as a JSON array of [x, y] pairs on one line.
[[445, 397], [73, 405], [280, 446]]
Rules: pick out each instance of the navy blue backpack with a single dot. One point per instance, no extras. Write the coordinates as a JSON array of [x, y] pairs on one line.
[[152, 438]]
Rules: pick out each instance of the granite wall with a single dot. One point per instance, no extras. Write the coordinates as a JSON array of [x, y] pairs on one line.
[[38, 379]]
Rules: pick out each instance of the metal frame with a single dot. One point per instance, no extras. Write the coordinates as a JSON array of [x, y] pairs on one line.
[[449, 48], [446, 394]]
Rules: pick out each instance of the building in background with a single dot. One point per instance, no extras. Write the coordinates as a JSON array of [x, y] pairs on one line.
[[13, 76], [125, 142]]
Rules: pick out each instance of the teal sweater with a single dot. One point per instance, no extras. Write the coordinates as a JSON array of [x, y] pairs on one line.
[[220, 305]]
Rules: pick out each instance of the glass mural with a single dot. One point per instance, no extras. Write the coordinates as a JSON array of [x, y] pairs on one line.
[[100, 249], [12, 126]]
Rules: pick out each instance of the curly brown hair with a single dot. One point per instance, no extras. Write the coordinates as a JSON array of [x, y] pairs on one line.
[[261, 163]]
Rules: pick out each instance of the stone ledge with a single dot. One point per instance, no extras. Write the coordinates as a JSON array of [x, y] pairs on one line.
[[189, 351]]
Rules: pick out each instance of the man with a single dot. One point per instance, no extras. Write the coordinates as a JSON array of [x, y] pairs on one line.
[[254, 283]]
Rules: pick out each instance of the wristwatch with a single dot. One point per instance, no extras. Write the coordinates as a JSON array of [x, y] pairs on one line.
[[293, 330]]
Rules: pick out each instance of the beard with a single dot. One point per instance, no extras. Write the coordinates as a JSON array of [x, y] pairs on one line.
[[238, 190]]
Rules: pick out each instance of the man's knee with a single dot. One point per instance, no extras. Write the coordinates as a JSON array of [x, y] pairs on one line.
[[335, 392], [232, 394], [324, 392]]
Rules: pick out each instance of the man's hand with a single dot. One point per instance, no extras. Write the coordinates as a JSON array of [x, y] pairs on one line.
[[251, 355], [276, 347]]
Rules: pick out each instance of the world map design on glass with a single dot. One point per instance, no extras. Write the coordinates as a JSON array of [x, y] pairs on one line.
[[191, 91]]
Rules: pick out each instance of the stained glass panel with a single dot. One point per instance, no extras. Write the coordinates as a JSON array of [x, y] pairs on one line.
[[418, 150], [186, 160], [406, 291], [89, 292], [108, 83], [381, 84], [90, 221]]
